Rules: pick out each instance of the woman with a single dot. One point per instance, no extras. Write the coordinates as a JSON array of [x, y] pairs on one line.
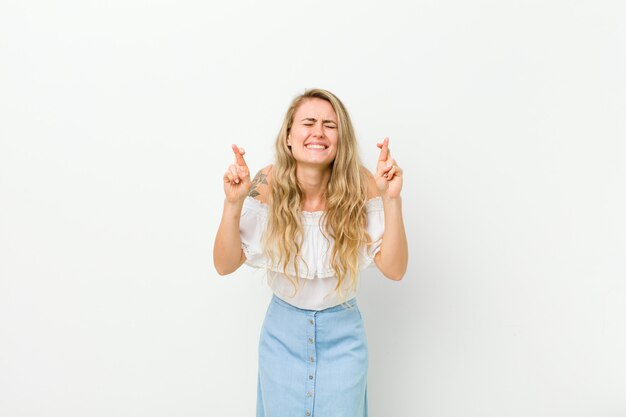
[[312, 220]]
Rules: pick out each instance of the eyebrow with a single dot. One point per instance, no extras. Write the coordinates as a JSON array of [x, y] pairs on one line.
[[312, 119]]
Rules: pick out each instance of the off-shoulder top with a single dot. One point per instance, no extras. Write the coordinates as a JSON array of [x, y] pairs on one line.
[[317, 279]]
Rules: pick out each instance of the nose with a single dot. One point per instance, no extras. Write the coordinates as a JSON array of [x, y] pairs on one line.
[[318, 130]]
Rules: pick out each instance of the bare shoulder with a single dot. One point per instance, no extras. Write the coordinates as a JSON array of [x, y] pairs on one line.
[[260, 185], [372, 189]]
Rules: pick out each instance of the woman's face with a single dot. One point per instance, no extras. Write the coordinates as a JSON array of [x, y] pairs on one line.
[[313, 137]]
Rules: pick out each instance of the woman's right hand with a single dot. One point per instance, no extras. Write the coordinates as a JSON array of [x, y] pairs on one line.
[[237, 178]]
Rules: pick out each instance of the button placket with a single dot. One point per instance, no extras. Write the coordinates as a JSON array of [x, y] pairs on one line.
[[309, 399]]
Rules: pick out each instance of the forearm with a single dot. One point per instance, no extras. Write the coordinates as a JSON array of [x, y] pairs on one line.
[[394, 254], [227, 254]]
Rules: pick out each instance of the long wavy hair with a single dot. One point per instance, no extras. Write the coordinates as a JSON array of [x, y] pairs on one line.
[[344, 219]]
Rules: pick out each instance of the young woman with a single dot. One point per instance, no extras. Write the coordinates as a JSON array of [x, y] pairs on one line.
[[312, 220]]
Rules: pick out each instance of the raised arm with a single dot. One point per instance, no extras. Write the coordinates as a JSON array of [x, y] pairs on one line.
[[227, 252], [392, 259]]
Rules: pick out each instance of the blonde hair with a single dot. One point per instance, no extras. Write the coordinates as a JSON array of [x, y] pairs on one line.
[[344, 219]]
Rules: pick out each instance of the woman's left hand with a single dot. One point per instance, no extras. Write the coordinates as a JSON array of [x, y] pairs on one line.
[[388, 175]]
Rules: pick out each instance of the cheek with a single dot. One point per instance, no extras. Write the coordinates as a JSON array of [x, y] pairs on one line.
[[335, 144], [297, 136]]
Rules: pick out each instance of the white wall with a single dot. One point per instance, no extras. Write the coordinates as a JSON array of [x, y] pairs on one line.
[[508, 118]]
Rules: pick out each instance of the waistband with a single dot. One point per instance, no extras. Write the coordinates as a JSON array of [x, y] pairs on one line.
[[351, 303]]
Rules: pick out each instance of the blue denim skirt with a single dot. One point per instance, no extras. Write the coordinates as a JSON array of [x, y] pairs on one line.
[[312, 363]]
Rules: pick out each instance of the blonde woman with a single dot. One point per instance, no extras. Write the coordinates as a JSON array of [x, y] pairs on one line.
[[312, 220]]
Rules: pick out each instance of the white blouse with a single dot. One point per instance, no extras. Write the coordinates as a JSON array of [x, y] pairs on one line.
[[317, 279]]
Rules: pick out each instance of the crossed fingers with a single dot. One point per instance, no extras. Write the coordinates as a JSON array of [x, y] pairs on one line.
[[239, 170], [386, 164]]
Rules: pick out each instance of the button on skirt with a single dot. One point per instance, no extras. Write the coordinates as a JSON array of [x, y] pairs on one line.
[[312, 363]]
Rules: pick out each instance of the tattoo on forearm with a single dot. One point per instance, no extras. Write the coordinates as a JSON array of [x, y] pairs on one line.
[[258, 180]]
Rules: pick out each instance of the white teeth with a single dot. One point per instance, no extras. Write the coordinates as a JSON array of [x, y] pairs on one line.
[[316, 146]]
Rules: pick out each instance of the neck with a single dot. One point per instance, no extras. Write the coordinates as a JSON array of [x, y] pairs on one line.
[[313, 181]]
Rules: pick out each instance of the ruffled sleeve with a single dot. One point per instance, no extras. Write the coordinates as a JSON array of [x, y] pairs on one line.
[[375, 228], [252, 224]]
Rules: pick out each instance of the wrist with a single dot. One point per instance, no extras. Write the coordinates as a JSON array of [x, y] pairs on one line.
[[233, 206], [395, 200]]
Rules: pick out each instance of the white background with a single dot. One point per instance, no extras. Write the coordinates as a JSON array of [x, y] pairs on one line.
[[508, 118]]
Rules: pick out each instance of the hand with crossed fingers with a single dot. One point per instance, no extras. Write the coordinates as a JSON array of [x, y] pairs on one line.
[[388, 175], [237, 178]]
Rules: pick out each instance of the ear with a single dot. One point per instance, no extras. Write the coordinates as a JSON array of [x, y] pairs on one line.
[[289, 141]]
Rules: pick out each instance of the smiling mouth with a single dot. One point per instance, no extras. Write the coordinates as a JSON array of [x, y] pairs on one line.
[[316, 147]]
